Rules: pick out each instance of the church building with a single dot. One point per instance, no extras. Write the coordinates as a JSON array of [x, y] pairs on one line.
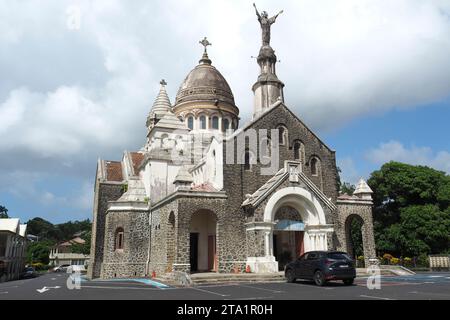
[[206, 194]]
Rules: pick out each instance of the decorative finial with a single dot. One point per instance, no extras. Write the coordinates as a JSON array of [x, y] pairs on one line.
[[205, 59], [205, 43], [163, 82]]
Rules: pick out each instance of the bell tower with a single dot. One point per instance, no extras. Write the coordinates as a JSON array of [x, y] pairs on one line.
[[268, 89]]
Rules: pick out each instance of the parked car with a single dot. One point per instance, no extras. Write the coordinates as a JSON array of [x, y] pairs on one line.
[[322, 266], [76, 268], [61, 268], [28, 273]]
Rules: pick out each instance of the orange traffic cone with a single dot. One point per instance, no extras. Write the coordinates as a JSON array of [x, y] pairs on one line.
[[247, 269], [153, 274]]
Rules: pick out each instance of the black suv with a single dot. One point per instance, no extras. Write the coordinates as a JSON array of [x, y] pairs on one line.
[[322, 266]]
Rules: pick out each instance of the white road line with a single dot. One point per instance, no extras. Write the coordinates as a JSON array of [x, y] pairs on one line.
[[374, 297], [8, 287], [4, 292], [212, 292], [263, 289], [309, 286], [430, 293], [119, 288], [252, 298]]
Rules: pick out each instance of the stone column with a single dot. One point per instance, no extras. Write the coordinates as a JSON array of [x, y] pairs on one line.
[[260, 257]]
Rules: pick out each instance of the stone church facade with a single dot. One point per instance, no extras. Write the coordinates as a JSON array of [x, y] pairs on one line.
[[198, 196]]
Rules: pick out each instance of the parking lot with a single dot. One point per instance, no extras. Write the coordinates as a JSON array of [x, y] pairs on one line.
[[429, 286]]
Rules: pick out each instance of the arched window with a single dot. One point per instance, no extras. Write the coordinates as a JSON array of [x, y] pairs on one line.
[[314, 164], [190, 122], [282, 135], [266, 147], [299, 151], [248, 160], [226, 124], [215, 122], [203, 122], [118, 243]]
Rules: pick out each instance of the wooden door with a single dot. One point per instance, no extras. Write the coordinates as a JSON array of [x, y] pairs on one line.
[[212, 253]]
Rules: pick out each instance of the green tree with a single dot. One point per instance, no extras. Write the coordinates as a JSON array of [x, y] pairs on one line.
[[347, 188], [44, 229], [3, 212], [411, 209], [39, 252]]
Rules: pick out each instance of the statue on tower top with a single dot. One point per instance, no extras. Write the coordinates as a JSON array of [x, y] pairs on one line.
[[265, 23]]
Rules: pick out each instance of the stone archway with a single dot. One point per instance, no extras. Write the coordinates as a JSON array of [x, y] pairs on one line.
[[312, 214], [316, 230], [348, 211], [360, 232], [288, 234], [350, 223], [203, 242]]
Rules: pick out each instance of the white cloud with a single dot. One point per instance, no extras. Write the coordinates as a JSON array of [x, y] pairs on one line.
[[70, 96], [349, 173], [395, 151]]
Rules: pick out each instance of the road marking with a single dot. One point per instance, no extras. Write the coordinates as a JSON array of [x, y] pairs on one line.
[[53, 279], [373, 297], [263, 289], [430, 293], [309, 286], [8, 287], [44, 289], [435, 276], [120, 288], [253, 298], [4, 292], [212, 292]]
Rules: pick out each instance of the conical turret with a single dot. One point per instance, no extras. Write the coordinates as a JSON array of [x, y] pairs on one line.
[[160, 107]]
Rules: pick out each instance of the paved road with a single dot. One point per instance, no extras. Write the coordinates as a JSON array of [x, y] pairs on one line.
[[431, 286]]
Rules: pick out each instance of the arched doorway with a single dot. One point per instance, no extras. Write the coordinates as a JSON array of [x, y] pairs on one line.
[[288, 235], [304, 203], [202, 242], [354, 225]]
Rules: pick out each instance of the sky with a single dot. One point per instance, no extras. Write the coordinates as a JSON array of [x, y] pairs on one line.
[[78, 78]]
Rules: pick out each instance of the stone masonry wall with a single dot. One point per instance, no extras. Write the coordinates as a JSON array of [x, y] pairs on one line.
[[131, 260], [104, 192]]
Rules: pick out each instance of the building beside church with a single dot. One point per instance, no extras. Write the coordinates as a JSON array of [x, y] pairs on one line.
[[13, 243], [204, 194]]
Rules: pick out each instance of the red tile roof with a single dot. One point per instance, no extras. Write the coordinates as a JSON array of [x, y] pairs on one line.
[[137, 159], [114, 171]]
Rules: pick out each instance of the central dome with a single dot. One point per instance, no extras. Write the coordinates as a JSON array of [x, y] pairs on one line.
[[204, 83]]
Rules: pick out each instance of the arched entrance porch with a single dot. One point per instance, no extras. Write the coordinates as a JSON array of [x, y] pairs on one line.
[[305, 214], [288, 233]]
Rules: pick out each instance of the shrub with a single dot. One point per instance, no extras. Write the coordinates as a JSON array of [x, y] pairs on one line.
[[39, 266], [395, 261], [422, 260], [387, 258], [407, 261]]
